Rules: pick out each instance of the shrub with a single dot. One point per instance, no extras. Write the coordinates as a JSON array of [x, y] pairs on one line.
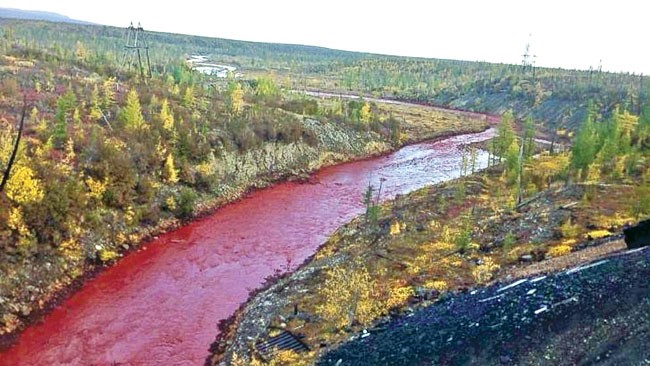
[[438, 285], [399, 296], [559, 250], [509, 241], [463, 240], [569, 230], [395, 228], [107, 255], [597, 234], [186, 199], [484, 272]]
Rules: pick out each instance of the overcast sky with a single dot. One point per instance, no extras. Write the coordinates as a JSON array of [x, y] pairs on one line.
[[562, 33]]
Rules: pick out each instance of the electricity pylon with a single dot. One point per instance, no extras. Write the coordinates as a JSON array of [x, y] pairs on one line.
[[136, 44]]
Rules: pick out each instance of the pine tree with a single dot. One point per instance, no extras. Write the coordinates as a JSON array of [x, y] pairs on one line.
[[235, 97], [169, 173], [364, 113], [166, 117], [584, 146], [529, 137], [188, 97], [505, 134], [132, 112], [95, 110]]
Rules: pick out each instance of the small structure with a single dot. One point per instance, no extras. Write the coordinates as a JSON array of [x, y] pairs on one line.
[[281, 342], [638, 236]]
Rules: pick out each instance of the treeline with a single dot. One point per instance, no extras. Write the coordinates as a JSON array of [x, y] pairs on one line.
[[105, 44], [554, 98]]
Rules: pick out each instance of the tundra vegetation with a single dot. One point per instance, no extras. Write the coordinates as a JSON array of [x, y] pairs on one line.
[[107, 158]]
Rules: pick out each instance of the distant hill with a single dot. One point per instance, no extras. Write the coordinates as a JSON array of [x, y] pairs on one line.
[[38, 15], [553, 97]]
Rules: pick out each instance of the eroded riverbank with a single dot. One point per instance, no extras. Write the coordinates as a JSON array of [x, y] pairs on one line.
[[161, 304]]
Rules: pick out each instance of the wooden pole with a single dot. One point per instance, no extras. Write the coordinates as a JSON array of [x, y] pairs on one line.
[[12, 158]]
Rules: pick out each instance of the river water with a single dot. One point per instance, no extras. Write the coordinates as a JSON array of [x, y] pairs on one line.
[[161, 305]]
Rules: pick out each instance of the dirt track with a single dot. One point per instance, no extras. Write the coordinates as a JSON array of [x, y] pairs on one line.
[[596, 313]]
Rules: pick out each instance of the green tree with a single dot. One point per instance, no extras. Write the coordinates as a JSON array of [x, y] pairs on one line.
[[529, 137], [584, 146], [512, 162], [132, 112], [188, 97], [64, 105], [505, 134], [266, 89], [95, 110]]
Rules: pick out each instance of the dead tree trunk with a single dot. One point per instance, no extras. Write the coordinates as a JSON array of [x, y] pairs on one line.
[[12, 158]]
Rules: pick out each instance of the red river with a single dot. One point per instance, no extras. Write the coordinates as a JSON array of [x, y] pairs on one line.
[[160, 305]]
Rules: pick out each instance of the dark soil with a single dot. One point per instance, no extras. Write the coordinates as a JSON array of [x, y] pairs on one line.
[[597, 315]]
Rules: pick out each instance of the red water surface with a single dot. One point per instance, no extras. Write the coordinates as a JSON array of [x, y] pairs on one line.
[[161, 305]]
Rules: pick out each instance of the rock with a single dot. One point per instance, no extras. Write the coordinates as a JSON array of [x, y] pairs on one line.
[[505, 360], [526, 258], [638, 236]]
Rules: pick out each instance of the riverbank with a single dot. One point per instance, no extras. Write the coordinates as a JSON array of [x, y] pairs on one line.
[[328, 160], [426, 246]]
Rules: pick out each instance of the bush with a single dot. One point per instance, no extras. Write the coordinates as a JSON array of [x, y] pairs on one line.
[[185, 206], [484, 272], [559, 250]]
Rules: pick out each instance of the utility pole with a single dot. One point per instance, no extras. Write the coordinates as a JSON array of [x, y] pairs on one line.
[[134, 47], [528, 60]]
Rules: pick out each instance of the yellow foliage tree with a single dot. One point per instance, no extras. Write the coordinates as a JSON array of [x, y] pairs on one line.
[[235, 97], [80, 51], [22, 187], [398, 296], [166, 116], [95, 112], [559, 250], [364, 113], [108, 93], [132, 112], [188, 97], [348, 296], [169, 173], [627, 122]]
